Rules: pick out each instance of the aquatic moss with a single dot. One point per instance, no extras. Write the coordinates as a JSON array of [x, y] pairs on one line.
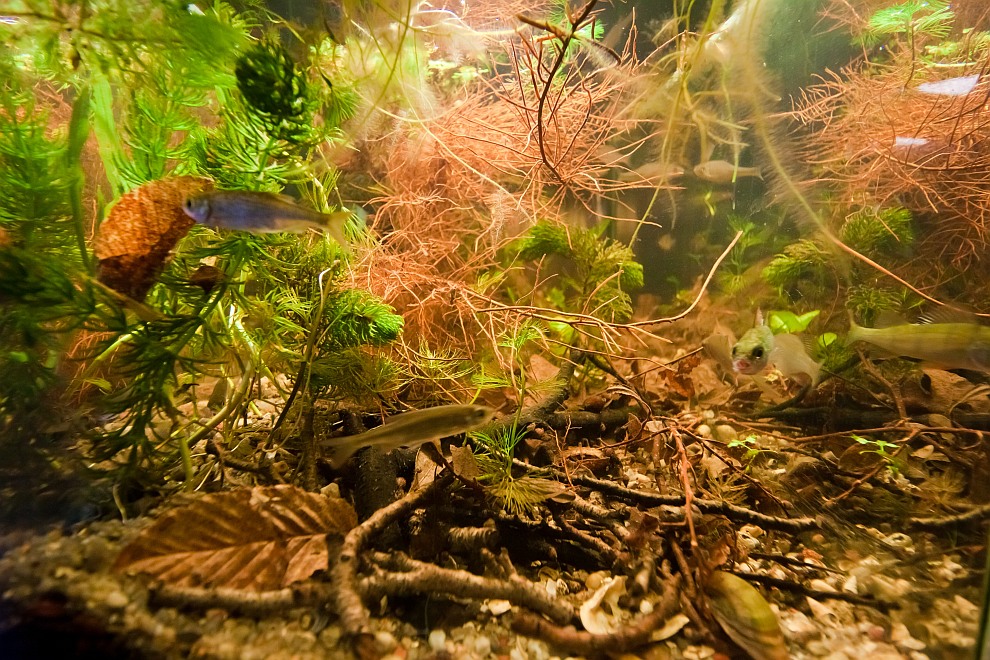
[[276, 90], [804, 261], [598, 272], [868, 302], [879, 232], [356, 317]]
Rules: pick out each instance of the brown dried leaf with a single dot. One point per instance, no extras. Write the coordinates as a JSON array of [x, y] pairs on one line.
[[134, 242], [258, 539]]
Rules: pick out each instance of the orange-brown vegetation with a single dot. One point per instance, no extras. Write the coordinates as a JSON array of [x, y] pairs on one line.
[[536, 141], [883, 141]]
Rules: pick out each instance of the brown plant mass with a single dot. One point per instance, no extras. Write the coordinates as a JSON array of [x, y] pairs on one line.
[[458, 186], [884, 144], [134, 243]]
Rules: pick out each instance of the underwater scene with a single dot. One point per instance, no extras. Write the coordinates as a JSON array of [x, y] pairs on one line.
[[494, 329]]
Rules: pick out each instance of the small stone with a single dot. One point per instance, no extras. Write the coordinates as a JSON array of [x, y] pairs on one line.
[[438, 640], [483, 646], [116, 600], [385, 641], [725, 433], [536, 650]]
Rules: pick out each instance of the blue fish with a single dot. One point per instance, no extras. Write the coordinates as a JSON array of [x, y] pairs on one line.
[[261, 213]]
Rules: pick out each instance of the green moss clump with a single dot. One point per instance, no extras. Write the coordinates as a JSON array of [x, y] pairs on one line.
[[802, 262], [357, 317], [599, 272], [884, 232], [867, 303], [276, 90]]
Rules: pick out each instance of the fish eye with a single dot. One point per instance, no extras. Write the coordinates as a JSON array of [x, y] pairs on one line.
[[735, 351], [189, 203], [758, 352]]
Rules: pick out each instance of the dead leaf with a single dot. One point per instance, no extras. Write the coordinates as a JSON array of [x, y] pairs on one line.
[[463, 461], [256, 540]]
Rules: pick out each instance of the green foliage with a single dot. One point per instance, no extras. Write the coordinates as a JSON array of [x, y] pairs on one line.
[[357, 317], [912, 18], [879, 232], [972, 45], [783, 321], [758, 240], [354, 373], [598, 273], [868, 302], [880, 448], [803, 262], [493, 454], [36, 177], [276, 91]]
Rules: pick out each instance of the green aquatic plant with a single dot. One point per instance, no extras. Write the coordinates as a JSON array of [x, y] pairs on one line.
[[881, 449], [757, 241], [803, 264], [912, 19], [868, 302], [493, 454], [598, 273], [879, 232], [276, 92], [785, 321]]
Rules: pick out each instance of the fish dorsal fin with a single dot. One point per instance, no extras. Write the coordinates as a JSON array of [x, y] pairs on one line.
[[759, 318], [948, 315]]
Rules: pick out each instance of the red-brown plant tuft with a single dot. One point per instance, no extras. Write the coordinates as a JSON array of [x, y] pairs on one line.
[[885, 144]]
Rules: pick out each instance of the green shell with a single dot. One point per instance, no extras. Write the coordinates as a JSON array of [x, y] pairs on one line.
[[745, 616]]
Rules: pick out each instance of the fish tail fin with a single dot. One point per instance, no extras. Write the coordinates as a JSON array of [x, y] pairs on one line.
[[855, 330], [815, 372], [333, 224]]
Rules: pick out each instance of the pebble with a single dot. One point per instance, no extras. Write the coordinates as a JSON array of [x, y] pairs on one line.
[[385, 641], [116, 600], [438, 640], [483, 646]]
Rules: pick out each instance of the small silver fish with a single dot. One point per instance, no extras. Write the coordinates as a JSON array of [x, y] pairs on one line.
[[412, 429], [955, 345], [722, 171], [261, 213], [759, 347]]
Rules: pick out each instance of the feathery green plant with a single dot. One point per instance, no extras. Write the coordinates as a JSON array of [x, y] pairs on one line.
[[598, 273], [493, 453], [912, 18], [802, 264], [887, 232]]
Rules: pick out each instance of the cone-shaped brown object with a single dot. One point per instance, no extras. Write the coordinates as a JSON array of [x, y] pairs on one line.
[[134, 242]]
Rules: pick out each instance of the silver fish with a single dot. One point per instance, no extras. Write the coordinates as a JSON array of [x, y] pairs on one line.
[[261, 213], [947, 345], [722, 171], [412, 429], [759, 348]]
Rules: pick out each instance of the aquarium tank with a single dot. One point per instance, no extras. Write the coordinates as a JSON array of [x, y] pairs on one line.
[[494, 329]]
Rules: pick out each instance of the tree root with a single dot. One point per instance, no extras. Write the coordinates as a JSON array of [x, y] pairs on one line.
[[585, 643], [730, 511], [409, 576], [354, 616]]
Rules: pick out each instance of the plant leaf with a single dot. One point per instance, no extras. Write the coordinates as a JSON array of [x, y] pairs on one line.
[[258, 539]]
